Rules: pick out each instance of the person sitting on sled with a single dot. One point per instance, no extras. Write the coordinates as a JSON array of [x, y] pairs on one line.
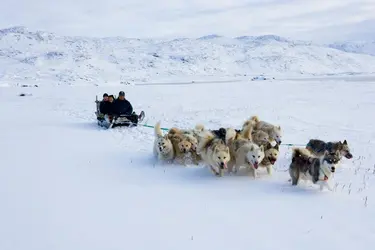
[[110, 108], [103, 107], [124, 107]]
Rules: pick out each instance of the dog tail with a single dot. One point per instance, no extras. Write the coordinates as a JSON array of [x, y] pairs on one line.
[[173, 131], [205, 137], [255, 119], [252, 122], [230, 135], [199, 127], [247, 130], [157, 130], [301, 152]]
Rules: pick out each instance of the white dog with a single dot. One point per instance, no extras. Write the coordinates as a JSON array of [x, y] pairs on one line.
[[163, 147], [214, 152], [245, 153]]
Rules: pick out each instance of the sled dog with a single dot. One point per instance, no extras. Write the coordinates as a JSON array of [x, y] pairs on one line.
[[244, 153], [163, 147], [214, 152], [318, 170], [185, 144], [273, 131], [318, 147], [271, 154]]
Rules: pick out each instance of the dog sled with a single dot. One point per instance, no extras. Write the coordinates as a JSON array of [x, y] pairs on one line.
[[111, 121]]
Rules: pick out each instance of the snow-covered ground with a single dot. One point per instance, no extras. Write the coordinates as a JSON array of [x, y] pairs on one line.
[[67, 184]]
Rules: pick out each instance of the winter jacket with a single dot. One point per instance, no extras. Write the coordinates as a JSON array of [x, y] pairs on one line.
[[103, 107], [123, 107], [106, 107]]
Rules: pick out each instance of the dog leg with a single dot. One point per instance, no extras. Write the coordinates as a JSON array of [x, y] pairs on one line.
[[221, 172], [252, 172], [294, 175], [325, 184], [236, 168], [214, 171], [269, 169], [230, 167], [321, 185]]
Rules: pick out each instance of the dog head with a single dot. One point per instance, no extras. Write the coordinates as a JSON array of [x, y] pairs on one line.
[[184, 146], [221, 155], [164, 145], [345, 151], [193, 141], [277, 135], [328, 166], [331, 159], [255, 155], [272, 154], [260, 137]]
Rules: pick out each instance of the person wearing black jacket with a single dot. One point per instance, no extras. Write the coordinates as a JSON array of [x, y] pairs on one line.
[[110, 108], [103, 104], [124, 107]]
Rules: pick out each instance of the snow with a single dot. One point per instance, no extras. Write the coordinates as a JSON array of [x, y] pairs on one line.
[[68, 184], [47, 58], [362, 47]]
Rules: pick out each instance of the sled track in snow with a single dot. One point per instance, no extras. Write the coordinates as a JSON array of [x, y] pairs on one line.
[[187, 83]]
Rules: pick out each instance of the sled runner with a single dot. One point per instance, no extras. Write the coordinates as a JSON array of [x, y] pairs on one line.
[[111, 121]]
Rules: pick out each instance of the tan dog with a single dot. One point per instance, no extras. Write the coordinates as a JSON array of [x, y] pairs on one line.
[[185, 145], [260, 137], [181, 146], [274, 132], [271, 154]]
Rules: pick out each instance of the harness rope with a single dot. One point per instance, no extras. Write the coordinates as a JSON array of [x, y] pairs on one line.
[[166, 129]]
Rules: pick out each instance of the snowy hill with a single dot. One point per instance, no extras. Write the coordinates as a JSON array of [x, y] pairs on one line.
[[48, 58], [361, 47]]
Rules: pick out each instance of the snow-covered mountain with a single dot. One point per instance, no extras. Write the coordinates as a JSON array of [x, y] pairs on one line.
[[47, 57], [361, 47]]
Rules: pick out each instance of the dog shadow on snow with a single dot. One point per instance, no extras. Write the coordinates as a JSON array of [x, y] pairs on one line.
[[276, 183], [191, 175]]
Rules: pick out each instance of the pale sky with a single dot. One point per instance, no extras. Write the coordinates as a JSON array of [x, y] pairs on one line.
[[298, 19]]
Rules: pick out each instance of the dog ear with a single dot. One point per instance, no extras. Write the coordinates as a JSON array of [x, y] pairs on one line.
[[345, 142], [278, 127]]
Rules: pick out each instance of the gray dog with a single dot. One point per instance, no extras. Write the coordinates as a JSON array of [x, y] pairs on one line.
[[318, 170], [318, 147]]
